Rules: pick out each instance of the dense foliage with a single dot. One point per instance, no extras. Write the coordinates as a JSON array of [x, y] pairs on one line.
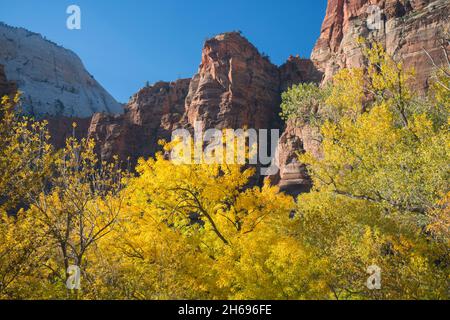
[[200, 231]]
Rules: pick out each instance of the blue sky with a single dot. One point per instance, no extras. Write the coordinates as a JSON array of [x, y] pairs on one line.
[[126, 43]]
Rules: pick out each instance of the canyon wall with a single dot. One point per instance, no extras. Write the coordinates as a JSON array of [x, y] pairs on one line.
[[235, 85], [407, 29], [53, 80], [61, 128], [152, 114]]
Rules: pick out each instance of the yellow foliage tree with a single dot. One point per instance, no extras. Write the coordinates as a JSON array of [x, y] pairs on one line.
[[379, 190], [25, 160], [190, 231], [204, 230], [82, 207]]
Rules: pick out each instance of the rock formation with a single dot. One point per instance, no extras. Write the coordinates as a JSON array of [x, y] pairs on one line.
[[152, 114], [297, 70], [293, 176], [53, 80], [61, 128], [235, 87], [407, 28], [238, 87]]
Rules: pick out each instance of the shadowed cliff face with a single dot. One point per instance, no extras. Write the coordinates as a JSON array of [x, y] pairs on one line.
[[7, 88], [297, 70], [152, 114], [61, 128]]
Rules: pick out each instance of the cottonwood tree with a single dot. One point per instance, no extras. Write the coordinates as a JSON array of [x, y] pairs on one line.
[[380, 189], [186, 227], [25, 159], [82, 206]]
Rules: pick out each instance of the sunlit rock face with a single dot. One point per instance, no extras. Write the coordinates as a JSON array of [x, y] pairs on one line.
[[407, 29], [235, 86], [53, 80]]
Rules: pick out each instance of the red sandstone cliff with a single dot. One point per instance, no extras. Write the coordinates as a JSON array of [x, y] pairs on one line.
[[235, 87], [61, 128], [152, 114], [297, 70], [407, 28]]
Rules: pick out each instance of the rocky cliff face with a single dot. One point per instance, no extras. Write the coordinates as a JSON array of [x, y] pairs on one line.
[[61, 128], [53, 80], [152, 114], [297, 70], [235, 87], [292, 177], [406, 29]]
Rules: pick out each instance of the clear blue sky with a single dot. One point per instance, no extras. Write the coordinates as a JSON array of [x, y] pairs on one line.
[[126, 43]]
